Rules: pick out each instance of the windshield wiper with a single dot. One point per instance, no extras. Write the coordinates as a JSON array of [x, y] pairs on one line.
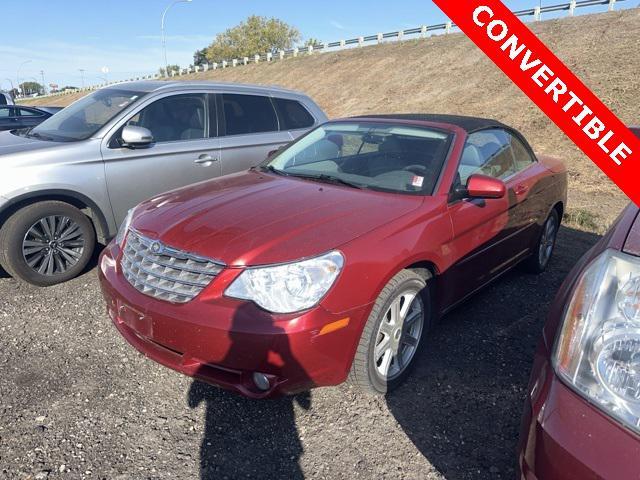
[[319, 177], [323, 177], [39, 136], [272, 169]]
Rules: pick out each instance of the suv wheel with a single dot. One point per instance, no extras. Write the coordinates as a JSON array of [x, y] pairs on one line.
[[393, 334], [46, 243]]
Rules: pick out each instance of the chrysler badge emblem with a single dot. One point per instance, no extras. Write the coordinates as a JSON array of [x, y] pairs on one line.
[[156, 248]]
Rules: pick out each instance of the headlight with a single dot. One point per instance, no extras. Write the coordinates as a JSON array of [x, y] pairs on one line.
[[290, 287], [598, 349], [124, 228]]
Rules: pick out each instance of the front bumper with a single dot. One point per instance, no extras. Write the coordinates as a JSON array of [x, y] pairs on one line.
[[223, 341], [565, 437]]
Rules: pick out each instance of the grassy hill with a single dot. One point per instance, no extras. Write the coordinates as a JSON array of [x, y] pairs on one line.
[[448, 74]]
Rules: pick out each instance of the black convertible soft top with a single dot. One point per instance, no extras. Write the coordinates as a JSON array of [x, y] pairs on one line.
[[469, 124]]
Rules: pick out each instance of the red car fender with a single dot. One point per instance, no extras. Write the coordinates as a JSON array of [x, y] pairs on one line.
[[430, 233]]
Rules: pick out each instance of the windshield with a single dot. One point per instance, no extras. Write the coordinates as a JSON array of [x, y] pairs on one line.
[[386, 157], [85, 117]]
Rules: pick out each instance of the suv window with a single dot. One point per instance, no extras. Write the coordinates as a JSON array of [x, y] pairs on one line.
[[5, 112], [248, 114], [175, 118], [27, 113], [521, 154], [293, 115], [487, 152]]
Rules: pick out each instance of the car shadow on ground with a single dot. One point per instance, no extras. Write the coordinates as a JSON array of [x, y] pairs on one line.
[[461, 406]]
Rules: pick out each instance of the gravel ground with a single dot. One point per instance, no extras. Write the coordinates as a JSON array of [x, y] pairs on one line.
[[77, 402]]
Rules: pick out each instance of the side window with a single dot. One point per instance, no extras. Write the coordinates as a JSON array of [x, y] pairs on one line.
[[521, 154], [245, 114], [487, 152], [27, 113], [175, 118], [293, 115], [5, 112]]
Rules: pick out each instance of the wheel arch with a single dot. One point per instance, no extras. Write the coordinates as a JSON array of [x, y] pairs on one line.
[[426, 269], [78, 200]]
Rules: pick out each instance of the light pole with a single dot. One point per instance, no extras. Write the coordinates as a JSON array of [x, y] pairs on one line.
[[18, 72], [44, 85], [164, 41], [12, 87], [105, 71], [81, 70]]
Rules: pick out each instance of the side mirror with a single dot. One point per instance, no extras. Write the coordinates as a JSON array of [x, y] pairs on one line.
[[482, 186], [136, 137]]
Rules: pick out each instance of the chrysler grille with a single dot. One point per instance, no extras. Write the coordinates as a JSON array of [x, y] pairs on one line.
[[164, 272]]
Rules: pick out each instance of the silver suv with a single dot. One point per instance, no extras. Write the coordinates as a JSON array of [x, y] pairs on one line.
[[70, 181]]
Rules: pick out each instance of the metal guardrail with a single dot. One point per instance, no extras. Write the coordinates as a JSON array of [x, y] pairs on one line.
[[398, 35]]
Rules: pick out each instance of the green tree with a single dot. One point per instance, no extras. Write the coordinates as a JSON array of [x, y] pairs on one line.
[[171, 68], [255, 35], [29, 88], [312, 42], [200, 57]]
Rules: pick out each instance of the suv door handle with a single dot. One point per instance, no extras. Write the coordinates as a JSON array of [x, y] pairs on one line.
[[205, 160]]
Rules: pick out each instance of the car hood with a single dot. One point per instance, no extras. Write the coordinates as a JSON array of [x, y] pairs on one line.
[[254, 218], [10, 143]]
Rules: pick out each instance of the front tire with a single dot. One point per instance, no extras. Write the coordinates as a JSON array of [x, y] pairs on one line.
[[46, 243], [393, 334]]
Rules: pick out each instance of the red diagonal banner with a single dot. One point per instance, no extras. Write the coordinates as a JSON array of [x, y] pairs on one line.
[[552, 87]]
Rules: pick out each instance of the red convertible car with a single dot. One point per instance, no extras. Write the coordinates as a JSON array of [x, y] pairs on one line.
[[333, 258]]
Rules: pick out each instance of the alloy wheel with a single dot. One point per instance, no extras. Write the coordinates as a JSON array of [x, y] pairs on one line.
[[398, 335], [53, 245]]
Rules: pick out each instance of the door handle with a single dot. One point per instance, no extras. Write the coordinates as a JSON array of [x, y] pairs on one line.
[[521, 189], [205, 160]]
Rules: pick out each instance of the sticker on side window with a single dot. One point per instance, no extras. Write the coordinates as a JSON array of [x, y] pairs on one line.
[[417, 181]]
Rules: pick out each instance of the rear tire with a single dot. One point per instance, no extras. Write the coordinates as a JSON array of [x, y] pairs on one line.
[[543, 251], [46, 243], [404, 334]]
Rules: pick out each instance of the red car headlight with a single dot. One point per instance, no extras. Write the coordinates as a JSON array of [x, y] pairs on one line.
[[290, 287], [598, 349]]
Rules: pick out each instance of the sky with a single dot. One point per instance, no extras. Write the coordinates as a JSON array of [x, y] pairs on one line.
[[63, 37]]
